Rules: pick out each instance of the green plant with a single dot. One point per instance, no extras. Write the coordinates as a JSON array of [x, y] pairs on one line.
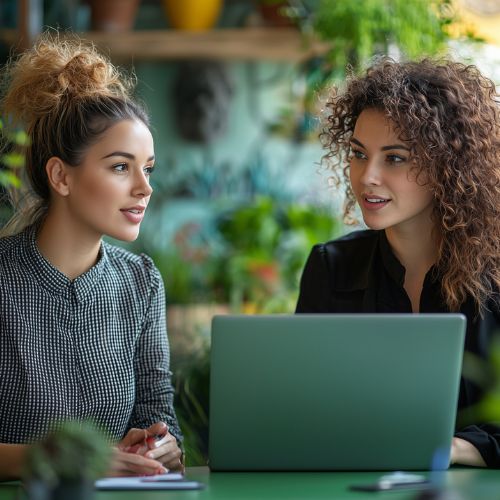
[[252, 252], [13, 159], [266, 245], [359, 30], [192, 407], [74, 451], [486, 375]]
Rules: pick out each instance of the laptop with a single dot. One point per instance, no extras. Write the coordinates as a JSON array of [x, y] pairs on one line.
[[318, 392]]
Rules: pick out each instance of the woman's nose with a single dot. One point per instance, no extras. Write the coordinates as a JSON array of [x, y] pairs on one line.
[[142, 188], [371, 175]]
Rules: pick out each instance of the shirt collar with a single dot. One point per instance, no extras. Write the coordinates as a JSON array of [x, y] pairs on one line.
[[391, 264], [54, 280], [357, 261]]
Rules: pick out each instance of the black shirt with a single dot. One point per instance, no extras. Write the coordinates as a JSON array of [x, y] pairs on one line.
[[360, 274]]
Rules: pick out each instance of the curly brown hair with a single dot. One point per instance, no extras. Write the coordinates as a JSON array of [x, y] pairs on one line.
[[448, 113]]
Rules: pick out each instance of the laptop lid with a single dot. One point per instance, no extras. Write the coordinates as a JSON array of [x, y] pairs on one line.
[[334, 392]]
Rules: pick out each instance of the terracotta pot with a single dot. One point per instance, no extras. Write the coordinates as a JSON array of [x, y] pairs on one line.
[[113, 15], [272, 14], [192, 15]]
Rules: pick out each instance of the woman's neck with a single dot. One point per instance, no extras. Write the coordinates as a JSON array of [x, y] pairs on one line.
[[414, 244], [416, 252], [67, 246]]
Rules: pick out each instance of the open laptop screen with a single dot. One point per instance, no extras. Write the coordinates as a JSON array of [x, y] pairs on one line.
[[334, 392]]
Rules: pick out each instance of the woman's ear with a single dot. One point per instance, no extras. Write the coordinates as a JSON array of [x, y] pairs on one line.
[[57, 175]]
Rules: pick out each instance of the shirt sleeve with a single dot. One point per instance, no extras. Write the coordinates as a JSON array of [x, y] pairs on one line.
[[486, 438], [154, 399], [315, 293]]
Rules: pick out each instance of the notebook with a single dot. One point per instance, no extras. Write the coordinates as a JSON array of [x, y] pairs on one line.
[[334, 391]]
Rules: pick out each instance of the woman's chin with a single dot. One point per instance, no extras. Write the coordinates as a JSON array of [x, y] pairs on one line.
[[127, 236]]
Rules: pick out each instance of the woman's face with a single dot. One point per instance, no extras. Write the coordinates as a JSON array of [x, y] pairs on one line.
[[383, 178], [109, 191]]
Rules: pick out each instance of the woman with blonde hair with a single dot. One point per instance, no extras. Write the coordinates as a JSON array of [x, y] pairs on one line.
[[82, 322], [417, 146]]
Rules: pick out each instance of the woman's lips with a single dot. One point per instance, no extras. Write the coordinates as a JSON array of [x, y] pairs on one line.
[[374, 203], [133, 215]]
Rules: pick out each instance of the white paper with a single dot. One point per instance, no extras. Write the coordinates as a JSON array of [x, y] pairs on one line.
[[170, 481]]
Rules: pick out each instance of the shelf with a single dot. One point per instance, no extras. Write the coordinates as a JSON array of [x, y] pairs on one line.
[[244, 44]]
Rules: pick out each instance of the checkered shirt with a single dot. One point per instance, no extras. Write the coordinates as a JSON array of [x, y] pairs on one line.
[[91, 348]]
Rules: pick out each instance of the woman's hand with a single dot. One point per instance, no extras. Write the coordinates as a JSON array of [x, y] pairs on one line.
[[165, 450], [465, 453], [155, 443], [125, 463]]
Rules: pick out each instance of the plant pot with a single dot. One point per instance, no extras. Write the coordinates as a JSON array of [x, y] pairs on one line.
[[74, 490], [113, 15], [273, 14], [192, 15]]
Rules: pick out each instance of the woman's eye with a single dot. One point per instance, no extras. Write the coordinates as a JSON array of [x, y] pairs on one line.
[[149, 170], [395, 159], [359, 155], [120, 167]]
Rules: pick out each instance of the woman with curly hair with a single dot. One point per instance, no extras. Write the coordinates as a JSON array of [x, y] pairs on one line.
[[417, 147], [82, 322]]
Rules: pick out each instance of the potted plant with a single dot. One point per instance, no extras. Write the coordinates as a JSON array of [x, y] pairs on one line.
[[360, 30], [275, 13], [192, 15], [355, 32], [65, 464], [113, 15]]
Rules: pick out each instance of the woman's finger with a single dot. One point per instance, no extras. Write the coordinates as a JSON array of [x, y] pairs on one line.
[[132, 438], [169, 445], [132, 464], [170, 455], [157, 429]]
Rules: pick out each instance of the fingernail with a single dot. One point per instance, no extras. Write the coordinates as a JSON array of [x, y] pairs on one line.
[[163, 470]]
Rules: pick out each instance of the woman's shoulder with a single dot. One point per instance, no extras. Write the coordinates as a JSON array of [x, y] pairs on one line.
[[140, 266], [8, 244], [348, 260], [350, 245]]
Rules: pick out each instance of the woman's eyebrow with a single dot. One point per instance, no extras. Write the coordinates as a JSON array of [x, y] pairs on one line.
[[395, 146], [125, 155], [384, 148], [358, 143]]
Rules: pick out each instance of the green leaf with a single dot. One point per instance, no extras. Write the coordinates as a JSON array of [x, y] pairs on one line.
[[13, 160], [9, 179]]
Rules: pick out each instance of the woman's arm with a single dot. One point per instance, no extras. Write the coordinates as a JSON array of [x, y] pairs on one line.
[[12, 460], [154, 390], [484, 439], [465, 453]]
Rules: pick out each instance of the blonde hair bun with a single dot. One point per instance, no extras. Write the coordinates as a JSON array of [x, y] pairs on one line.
[[57, 69]]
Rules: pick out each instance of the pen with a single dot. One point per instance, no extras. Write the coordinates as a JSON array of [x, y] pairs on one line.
[[157, 440], [149, 442]]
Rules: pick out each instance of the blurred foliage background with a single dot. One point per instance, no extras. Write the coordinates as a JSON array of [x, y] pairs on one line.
[[236, 211]]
